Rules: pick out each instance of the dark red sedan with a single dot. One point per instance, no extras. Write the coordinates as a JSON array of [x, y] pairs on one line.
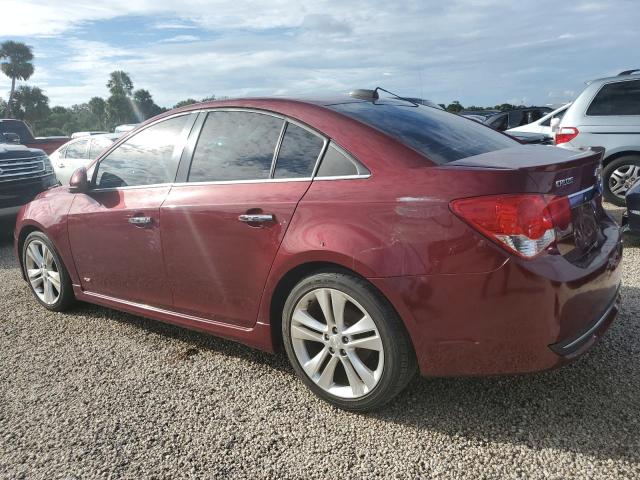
[[370, 237]]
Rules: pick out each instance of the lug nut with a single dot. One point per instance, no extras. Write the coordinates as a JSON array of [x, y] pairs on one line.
[[345, 340], [343, 353], [326, 336], [331, 350], [334, 330]]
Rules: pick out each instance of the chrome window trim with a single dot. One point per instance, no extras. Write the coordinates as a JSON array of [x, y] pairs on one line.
[[286, 119]]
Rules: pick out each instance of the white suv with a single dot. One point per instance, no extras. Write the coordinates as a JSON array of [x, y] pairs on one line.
[[607, 114]]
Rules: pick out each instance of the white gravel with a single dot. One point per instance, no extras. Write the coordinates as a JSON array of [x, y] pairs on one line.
[[95, 393]]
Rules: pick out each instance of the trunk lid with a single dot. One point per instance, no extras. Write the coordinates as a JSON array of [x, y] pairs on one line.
[[560, 172]]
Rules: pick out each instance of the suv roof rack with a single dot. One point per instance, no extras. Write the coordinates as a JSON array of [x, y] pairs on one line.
[[629, 72]]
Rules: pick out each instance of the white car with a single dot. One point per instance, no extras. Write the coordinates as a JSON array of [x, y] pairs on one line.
[[127, 127], [78, 153], [85, 134], [542, 125]]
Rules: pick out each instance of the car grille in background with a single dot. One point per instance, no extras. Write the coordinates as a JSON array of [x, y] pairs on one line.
[[21, 168]]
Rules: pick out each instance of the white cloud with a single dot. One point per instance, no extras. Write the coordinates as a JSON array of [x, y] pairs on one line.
[[477, 52]]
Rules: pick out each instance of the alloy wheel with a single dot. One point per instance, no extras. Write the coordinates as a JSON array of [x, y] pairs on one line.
[[337, 343], [623, 178], [43, 272]]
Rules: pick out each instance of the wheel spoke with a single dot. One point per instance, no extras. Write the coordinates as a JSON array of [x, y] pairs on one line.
[[323, 298], [370, 343], [34, 273], [303, 333], [47, 257], [363, 371], [49, 296], [364, 325], [355, 382], [338, 302], [34, 254], [620, 188], [312, 367], [326, 378], [302, 317], [54, 278]]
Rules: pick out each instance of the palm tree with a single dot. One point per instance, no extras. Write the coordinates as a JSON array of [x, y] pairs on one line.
[[16, 66], [120, 83]]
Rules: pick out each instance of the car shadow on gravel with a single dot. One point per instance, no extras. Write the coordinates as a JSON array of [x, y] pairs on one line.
[[589, 407]]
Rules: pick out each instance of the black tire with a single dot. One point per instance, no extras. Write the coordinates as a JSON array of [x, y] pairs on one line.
[[399, 358], [66, 297], [606, 175]]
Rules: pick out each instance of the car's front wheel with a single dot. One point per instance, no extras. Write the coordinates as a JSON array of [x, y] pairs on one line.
[[619, 176], [45, 272], [346, 342]]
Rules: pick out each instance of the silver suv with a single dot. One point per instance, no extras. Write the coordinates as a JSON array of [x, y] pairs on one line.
[[607, 114]]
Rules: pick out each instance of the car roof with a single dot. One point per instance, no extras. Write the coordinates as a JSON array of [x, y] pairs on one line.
[[617, 78]]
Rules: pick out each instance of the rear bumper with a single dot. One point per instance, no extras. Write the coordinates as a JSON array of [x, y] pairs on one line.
[[512, 320]]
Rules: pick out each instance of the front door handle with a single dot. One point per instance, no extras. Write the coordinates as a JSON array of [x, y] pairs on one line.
[[140, 220], [256, 218]]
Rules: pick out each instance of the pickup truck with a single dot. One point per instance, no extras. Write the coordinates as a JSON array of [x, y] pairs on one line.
[[25, 136], [24, 173]]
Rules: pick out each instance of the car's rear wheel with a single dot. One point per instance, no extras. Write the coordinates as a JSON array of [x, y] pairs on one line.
[[619, 176], [45, 272], [346, 342]]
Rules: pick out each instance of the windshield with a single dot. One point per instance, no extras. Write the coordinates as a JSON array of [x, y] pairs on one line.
[[442, 137]]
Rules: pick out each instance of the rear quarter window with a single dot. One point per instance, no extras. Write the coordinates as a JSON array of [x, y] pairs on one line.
[[440, 136], [619, 98]]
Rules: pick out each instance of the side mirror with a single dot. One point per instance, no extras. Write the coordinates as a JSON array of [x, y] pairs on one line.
[[78, 182], [11, 137], [555, 124]]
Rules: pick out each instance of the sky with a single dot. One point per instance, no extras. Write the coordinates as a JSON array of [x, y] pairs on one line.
[[481, 52]]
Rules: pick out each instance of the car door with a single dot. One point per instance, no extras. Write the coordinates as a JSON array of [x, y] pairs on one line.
[[221, 227], [72, 157], [114, 229]]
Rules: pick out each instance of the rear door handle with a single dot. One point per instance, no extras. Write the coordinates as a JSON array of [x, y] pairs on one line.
[[256, 218], [140, 220]]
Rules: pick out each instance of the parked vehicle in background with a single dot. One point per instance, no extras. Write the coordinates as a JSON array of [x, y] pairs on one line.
[[607, 114], [24, 172], [478, 115], [127, 127], [78, 153], [531, 138], [84, 134], [515, 118], [543, 124], [341, 229], [631, 218], [20, 128]]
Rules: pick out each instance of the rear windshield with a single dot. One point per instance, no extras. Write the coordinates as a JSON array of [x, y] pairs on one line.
[[442, 137]]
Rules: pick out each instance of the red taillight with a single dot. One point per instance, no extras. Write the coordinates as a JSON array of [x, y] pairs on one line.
[[566, 134], [525, 224]]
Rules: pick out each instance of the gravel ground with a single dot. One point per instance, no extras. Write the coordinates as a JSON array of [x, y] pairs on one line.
[[94, 393]]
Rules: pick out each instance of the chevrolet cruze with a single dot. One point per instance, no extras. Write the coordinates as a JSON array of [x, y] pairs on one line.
[[369, 237]]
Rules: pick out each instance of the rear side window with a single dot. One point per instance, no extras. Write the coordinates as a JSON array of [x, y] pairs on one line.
[[298, 153], [97, 146], [149, 157], [620, 98], [442, 137], [235, 146], [77, 149], [337, 163]]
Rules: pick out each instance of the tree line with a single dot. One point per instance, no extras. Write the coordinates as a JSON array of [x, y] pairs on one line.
[[123, 105], [29, 103]]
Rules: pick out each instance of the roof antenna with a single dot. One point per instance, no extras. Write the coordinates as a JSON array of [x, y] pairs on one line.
[[397, 96]]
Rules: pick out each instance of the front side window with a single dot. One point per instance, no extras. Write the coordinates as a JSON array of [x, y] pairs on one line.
[[149, 157], [77, 149], [620, 98], [298, 153], [235, 145]]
